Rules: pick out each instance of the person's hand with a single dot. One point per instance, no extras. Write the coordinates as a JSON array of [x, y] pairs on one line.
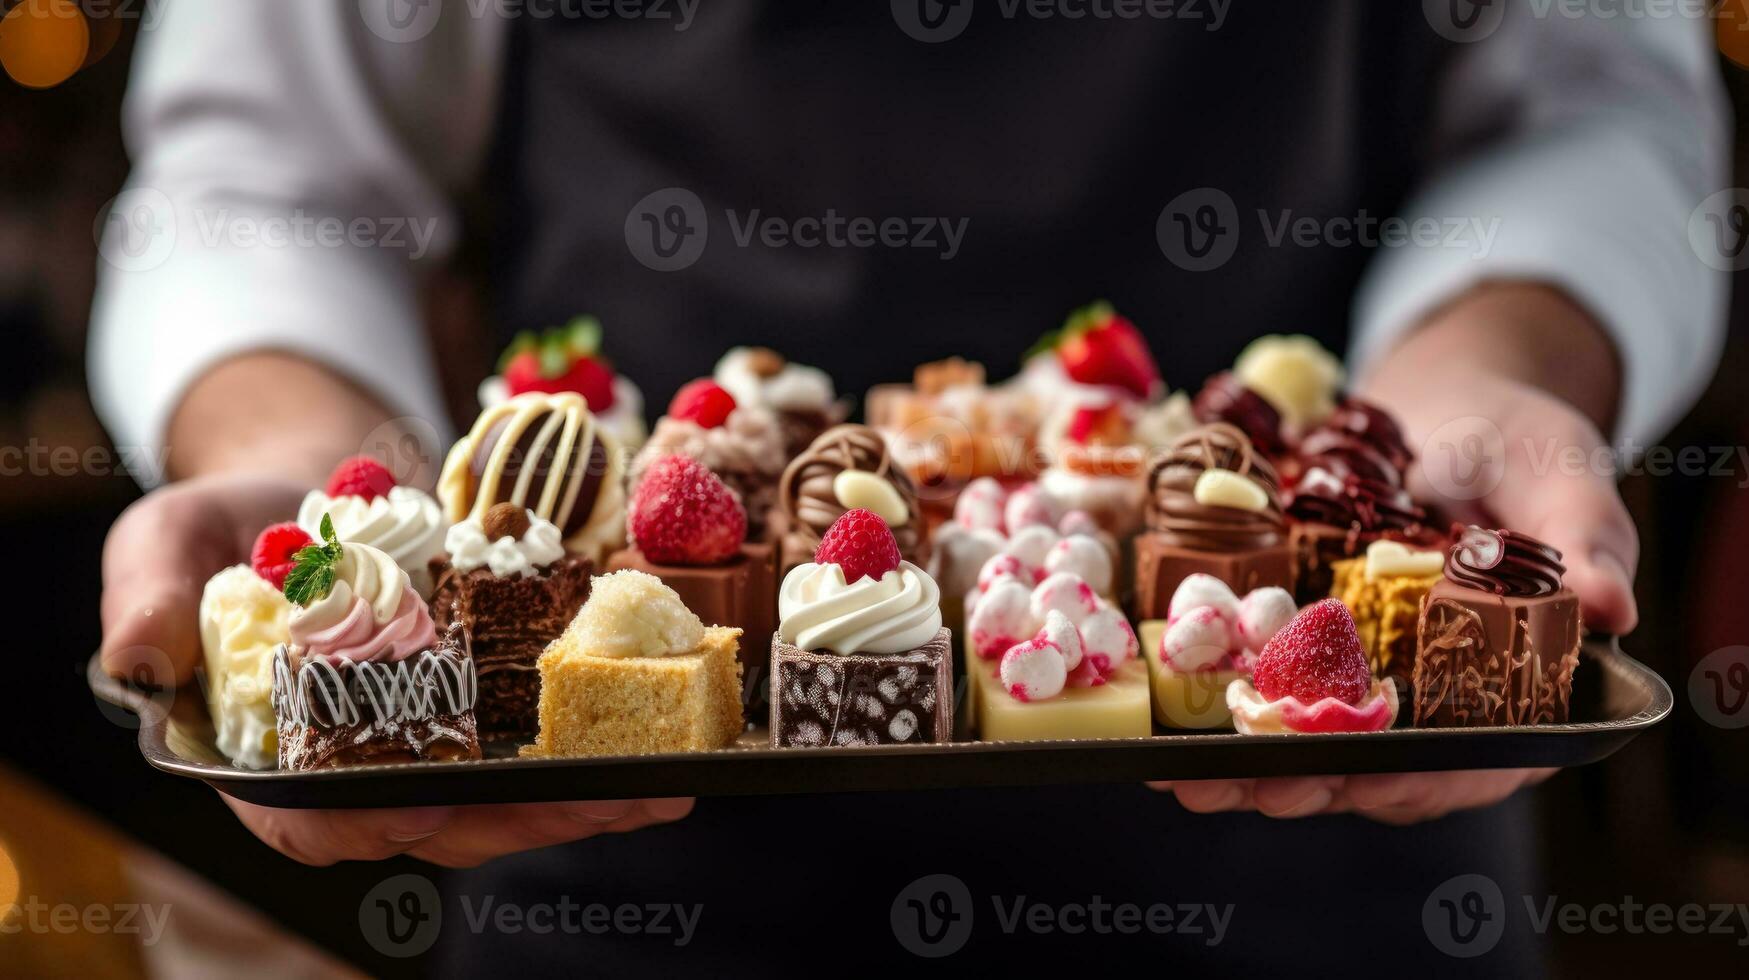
[[1472, 391]]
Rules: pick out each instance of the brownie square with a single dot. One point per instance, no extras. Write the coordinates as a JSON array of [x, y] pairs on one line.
[[820, 698]]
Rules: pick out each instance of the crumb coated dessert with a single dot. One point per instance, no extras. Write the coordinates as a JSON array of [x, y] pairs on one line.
[[364, 677], [1383, 590], [1212, 508], [849, 467], [741, 444], [569, 358], [509, 582], [1209, 639], [637, 673], [243, 621], [689, 530], [1312, 677], [860, 656], [802, 397], [548, 453], [369, 508], [1499, 635]]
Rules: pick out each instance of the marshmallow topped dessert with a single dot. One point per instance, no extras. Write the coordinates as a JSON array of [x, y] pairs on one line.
[[860, 656], [364, 677], [1209, 639]]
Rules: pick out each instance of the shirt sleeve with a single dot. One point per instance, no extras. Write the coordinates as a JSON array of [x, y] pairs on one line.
[[1582, 148], [293, 163]]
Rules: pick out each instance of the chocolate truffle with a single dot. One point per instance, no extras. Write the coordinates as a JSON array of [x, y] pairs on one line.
[[808, 496], [1498, 637], [1243, 546]]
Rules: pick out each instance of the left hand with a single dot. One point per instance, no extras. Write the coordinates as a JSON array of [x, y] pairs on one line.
[[1481, 363]]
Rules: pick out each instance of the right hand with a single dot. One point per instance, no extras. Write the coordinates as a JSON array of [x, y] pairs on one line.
[[157, 560]]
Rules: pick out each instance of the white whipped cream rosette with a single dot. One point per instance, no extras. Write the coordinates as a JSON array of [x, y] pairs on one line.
[[406, 523], [897, 613], [507, 557], [242, 621], [792, 388]]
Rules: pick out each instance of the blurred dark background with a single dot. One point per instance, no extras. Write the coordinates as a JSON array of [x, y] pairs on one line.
[[1665, 820]]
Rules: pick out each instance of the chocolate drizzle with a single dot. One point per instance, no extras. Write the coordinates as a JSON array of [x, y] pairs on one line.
[[1367, 507], [1353, 470], [1225, 399], [1175, 514], [1505, 563], [810, 504]]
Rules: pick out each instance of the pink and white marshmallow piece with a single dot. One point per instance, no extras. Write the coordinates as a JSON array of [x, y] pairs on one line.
[[1083, 556], [980, 505], [1201, 589], [1007, 566], [1031, 544], [1198, 639], [1029, 505], [1063, 635], [1033, 671], [1108, 640], [1262, 614], [1067, 593], [1002, 617]]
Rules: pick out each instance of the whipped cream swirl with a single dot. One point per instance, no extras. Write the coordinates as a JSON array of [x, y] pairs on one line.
[[818, 610], [406, 522], [507, 557], [371, 614]]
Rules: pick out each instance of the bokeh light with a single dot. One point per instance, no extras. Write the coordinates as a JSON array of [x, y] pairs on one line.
[[1731, 28], [43, 42]]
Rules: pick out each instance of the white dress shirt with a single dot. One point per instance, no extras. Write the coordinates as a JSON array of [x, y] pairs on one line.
[[258, 127]]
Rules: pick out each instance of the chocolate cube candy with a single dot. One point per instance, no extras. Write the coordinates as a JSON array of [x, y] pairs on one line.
[[821, 698], [419, 708], [1161, 566], [1484, 659]]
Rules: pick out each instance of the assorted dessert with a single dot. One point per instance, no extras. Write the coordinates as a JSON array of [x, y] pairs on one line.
[[860, 656], [757, 562]]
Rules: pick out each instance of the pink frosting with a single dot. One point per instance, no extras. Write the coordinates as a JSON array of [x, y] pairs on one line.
[[1331, 715], [358, 638]]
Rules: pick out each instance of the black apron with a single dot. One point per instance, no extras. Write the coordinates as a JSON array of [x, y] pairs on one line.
[[1059, 143]]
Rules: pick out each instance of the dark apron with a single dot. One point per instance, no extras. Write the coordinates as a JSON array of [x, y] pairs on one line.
[[1059, 143]]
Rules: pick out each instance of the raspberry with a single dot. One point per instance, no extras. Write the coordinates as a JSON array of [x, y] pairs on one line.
[[860, 543], [1315, 656], [274, 547], [360, 476], [704, 402], [681, 514]]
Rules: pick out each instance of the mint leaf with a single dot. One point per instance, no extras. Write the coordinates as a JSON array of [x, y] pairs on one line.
[[312, 574]]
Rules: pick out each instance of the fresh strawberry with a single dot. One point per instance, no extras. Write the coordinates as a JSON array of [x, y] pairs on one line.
[[682, 514], [860, 543], [566, 358], [704, 402], [1317, 655], [360, 476], [1098, 347], [274, 547]]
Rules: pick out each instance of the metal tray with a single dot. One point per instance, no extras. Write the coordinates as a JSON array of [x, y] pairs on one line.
[[1614, 699]]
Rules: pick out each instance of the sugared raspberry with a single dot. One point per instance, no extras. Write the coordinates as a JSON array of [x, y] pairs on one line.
[[274, 547], [861, 544], [682, 514], [703, 402], [1318, 655], [360, 476]]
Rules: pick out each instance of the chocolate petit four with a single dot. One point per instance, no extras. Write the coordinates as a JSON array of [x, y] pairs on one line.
[[637, 673], [1212, 508], [545, 452], [1383, 591], [1311, 677], [847, 468], [569, 358], [1052, 660], [689, 530], [509, 582], [860, 656], [741, 444], [1350, 491], [243, 622], [802, 397], [1209, 639], [369, 508], [1499, 635], [364, 677]]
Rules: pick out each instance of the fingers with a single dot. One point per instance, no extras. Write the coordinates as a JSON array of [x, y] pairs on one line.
[[324, 837], [1406, 798], [155, 563]]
